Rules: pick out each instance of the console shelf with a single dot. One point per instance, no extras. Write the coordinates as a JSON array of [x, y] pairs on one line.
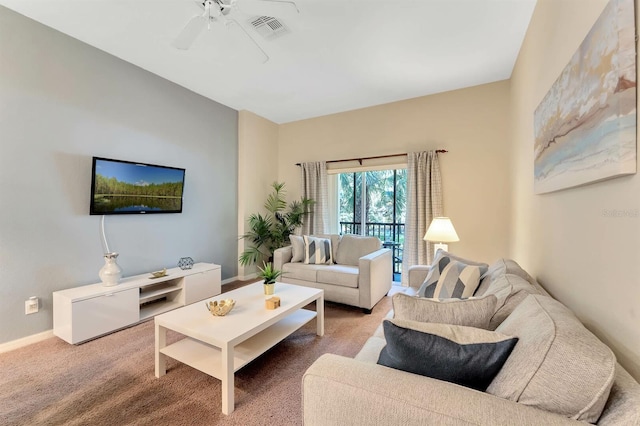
[[154, 291], [153, 309], [86, 312]]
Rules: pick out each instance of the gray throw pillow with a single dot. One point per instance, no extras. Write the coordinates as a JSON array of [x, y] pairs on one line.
[[297, 248], [451, 278], [468, 312], [466, 356]]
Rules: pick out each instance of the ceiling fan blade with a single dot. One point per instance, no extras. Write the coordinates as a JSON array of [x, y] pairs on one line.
[[274, 8], [189, 33], [265, 57]]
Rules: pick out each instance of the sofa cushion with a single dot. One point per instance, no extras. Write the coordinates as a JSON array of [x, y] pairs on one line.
[[469, 312], [451, 278], [466, 356], [510, 290], [342, 275], [353, 247], [300, 271], [317, 251], [558, 365], [297, 248]]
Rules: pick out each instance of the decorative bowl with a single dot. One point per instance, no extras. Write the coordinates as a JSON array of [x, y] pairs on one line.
[[158, 274], [220, 308]]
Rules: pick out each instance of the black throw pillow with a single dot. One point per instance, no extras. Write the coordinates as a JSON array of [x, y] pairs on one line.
[[467, 356]]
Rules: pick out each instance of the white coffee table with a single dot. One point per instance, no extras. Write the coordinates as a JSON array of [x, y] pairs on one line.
[[220, 346]]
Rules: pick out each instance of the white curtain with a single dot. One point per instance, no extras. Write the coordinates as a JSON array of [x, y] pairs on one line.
[[424, 202], [314, 186]]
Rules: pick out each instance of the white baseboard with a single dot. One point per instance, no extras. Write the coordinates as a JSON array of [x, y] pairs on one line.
[[228, 280], [25, 341], [240, 278], [248, 277]]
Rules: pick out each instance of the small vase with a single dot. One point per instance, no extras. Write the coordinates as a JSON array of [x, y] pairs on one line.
[[111, 272], [269, 289]]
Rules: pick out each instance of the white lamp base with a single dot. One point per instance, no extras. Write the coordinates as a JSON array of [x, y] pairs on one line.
[[442, 246]]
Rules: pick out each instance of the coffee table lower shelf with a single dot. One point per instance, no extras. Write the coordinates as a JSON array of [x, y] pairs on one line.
[[208, 358]]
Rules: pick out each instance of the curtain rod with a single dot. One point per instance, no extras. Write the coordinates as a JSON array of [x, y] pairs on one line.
[[360, 160]]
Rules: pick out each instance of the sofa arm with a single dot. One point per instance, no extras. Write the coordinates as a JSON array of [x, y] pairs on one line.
[[281, 256], [374, 277], [343, 391], [417, 275]]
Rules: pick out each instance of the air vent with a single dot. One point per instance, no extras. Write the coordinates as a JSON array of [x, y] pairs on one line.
[[269, 27]]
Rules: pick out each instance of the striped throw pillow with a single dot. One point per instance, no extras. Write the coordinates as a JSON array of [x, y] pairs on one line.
[[317, 251], [451, 279]]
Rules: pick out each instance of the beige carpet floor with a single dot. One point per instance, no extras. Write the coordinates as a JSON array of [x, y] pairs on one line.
[[110, 380]]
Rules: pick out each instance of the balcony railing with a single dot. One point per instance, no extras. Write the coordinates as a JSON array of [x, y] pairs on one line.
[[391, 235]]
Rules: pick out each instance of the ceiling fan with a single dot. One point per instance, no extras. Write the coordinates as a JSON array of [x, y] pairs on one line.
[[225, 11]]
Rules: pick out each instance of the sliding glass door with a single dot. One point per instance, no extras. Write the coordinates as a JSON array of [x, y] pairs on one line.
[[373, 203]]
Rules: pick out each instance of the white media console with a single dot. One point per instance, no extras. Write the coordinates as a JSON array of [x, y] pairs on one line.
[[86, 312]]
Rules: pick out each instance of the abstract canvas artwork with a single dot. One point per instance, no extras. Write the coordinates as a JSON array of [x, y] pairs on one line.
[[585, 127]]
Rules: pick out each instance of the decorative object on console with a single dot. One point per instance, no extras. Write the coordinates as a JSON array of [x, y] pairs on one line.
[[185, 263], [585, 127], [111, 272], [159, 274], [441, 231], [220, 308]]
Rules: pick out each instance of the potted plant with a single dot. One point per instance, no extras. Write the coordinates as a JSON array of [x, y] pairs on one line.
[[271, 231], [269, 274]]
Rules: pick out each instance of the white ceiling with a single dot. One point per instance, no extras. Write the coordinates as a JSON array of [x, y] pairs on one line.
[[340, 54]]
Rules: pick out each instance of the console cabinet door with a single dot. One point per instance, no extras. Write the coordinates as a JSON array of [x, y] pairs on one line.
[[203, 285], [103, 314]]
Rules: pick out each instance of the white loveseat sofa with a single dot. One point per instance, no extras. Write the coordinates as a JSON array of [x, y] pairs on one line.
[[359, 276], [558, 373]]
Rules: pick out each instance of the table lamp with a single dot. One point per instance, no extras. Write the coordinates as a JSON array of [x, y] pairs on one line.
[[441, 231]]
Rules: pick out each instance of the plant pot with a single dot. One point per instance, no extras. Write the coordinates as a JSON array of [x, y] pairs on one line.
[[269, 289]]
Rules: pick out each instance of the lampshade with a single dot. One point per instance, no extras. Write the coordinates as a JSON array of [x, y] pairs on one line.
[[441, 231]]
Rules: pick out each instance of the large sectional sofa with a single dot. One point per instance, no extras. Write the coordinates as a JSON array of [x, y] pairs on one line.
[[557, 373], [359, 273]]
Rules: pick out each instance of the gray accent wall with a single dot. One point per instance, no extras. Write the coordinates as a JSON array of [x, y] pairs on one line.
[[63, 102]]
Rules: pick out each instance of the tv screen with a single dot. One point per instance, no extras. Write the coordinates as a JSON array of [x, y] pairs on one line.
[[125, 187]]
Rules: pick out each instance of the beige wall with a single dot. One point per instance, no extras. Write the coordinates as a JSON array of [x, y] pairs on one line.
[[471, 123], [586, 259], [257, 169]]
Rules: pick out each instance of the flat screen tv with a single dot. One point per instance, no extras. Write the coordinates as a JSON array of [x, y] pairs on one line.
[[125, 187]]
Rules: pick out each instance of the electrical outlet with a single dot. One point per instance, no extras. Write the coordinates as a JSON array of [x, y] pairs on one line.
[[31, 306]]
